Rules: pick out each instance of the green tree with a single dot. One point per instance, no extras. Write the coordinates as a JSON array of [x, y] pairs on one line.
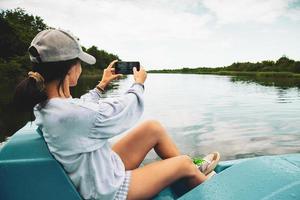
[[103, 58], [284, 64], [17, 28], [296, 67]]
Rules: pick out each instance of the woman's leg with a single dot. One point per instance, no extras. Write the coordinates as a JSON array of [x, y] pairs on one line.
[[136, 144], [134, 147], [147, 181]]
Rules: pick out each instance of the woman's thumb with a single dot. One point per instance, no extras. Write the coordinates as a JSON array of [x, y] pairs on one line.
[[134, 70]]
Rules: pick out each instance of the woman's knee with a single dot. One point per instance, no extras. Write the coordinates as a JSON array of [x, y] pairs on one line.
[[155, 127], [188, 167], [153, 124]]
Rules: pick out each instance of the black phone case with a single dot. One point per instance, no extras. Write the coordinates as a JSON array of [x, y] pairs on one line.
[[126, 67]]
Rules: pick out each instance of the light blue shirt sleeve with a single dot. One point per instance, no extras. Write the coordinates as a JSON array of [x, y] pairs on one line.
[[116, 115], [92, 95]]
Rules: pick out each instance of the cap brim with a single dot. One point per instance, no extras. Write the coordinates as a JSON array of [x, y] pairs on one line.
[[87, 58]]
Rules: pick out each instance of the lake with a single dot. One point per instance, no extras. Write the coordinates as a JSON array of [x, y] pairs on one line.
[[238, 116]]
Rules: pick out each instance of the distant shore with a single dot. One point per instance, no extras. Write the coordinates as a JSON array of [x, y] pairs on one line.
[[282, 68], [232, 73]]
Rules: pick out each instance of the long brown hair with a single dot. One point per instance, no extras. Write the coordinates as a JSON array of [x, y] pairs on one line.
[[27, 94]]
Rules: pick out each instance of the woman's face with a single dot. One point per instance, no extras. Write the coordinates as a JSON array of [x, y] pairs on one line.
[[74, 74]]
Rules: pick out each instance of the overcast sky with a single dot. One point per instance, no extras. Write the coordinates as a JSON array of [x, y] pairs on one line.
[[178, 33]]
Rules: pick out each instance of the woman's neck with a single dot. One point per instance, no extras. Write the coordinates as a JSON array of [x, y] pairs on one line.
[[63, 92]]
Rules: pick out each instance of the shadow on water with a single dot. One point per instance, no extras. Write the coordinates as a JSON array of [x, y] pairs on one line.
[[280, 83], [11, 120]]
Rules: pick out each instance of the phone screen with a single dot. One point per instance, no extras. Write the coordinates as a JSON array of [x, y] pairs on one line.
[[122, 67]]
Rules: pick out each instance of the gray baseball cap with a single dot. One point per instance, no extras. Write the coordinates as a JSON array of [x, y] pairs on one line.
[[54, 45]]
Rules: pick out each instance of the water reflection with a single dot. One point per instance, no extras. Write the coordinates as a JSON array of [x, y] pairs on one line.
[[205, 113], [283, 85], [238, 116], [10, 120], [87, 83]]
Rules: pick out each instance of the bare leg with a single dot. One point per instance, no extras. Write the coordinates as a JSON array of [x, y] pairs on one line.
[[147, 181], [134, 147], [136, 144]]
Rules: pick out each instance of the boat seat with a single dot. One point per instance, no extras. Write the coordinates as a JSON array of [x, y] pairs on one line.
[[28, 170]]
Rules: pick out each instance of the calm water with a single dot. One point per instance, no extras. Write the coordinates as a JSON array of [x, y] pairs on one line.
[[239, 117]]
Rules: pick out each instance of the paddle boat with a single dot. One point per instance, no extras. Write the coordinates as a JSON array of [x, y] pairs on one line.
[[28, 171]]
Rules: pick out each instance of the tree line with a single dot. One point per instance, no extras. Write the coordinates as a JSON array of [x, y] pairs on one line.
[[17, 29], [283, 66]]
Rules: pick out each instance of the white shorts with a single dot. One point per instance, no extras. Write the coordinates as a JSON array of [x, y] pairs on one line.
[[123, 189]]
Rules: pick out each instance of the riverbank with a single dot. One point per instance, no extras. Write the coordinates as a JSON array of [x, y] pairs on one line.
[[232, 73], [281, 68]]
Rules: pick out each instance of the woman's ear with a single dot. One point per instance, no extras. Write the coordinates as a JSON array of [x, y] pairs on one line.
[[71, 70], [73, 75]]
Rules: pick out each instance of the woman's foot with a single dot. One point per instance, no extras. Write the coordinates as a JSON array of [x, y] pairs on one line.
[[208, 163]]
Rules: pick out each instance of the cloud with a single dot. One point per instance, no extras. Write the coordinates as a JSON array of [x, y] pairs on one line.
[[124, 27], [242, 11], [172, 33]]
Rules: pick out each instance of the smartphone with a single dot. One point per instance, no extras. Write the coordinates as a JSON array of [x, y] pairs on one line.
[[122, 67]]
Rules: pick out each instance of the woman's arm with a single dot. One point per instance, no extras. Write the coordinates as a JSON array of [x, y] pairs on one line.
[[117, 115], [108, 75]]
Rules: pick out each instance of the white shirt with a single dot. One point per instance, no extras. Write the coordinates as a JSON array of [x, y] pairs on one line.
[[77, 130]]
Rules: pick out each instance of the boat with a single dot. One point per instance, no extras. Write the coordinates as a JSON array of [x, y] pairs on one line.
[[29, 171]]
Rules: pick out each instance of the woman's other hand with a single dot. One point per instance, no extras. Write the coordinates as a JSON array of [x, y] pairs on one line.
[[139, 76], [109, 75]]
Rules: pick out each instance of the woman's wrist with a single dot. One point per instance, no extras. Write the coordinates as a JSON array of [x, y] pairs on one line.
[[139, 83], [101, 86]]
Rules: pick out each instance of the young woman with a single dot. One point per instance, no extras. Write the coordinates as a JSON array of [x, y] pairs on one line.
[[77, 130]]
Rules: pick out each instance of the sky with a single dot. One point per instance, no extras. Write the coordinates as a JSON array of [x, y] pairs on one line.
[[169, 34]]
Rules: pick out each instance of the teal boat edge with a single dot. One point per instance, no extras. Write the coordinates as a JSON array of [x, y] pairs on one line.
[[28, 171]]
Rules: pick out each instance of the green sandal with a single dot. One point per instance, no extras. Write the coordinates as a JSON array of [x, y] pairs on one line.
[[208, 163]]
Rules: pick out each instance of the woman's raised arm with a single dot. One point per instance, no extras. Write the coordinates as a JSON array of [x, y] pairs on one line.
[[116, 115], [108, 75]]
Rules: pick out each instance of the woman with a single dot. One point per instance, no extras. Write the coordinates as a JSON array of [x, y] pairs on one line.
[[76, 130]]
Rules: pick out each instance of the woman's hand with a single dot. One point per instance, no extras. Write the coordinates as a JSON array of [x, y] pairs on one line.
[[139, 76], [108, 75]]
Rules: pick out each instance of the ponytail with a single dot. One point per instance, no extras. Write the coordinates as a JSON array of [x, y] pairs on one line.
[[29, 92]]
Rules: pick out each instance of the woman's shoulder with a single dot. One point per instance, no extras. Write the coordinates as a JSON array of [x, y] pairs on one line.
[[65, 108], [72, 103], [65, 112]]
